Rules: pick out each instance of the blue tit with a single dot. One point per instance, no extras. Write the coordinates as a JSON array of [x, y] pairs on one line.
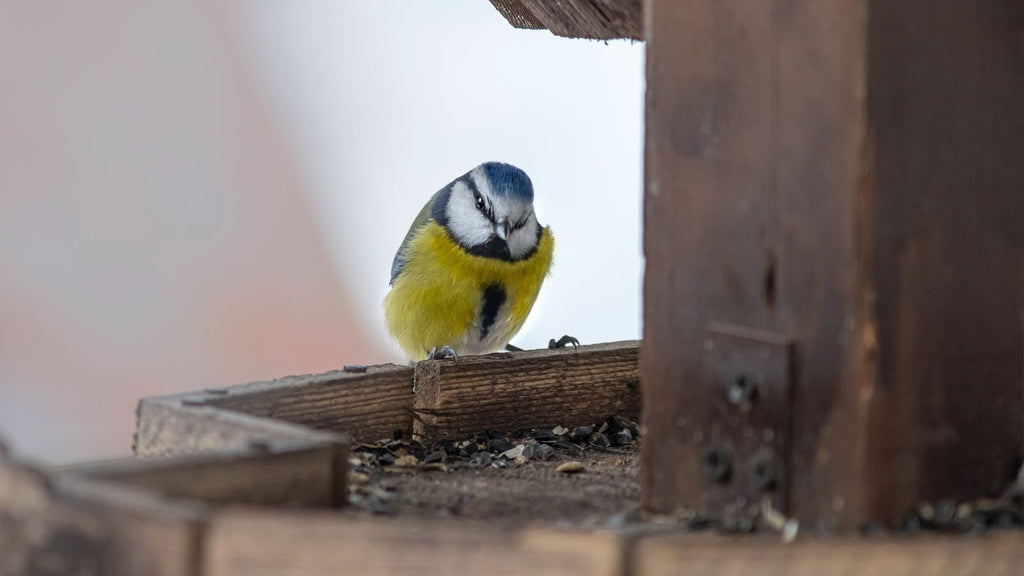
[[470, 267]]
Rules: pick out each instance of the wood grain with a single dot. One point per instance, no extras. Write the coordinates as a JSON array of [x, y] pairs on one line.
[[595, 19], [366, 405], [995, 554], [57, 524], [281, 474], [168, 427], [752, 178], [946, 249], [540, 388], [844, 174], [274, 543]]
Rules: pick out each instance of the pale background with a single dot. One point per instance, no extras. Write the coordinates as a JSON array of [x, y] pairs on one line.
[[206, 193]]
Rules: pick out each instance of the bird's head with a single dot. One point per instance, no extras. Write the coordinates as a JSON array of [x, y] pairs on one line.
[[489, 211]]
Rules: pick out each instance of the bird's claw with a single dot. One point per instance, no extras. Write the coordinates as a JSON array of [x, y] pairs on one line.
[[442, 353], [563, 342]]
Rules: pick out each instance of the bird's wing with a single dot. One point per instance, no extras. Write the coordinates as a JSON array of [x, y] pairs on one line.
[[421, 219]]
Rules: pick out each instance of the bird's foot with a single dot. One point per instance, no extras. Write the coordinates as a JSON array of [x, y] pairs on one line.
[[563, 342], [513, 348], [441, 353]]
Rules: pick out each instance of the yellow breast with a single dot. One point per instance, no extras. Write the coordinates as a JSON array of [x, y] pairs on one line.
[[436, 300]]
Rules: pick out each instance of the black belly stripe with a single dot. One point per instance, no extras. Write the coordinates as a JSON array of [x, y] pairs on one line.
[[494, 297]]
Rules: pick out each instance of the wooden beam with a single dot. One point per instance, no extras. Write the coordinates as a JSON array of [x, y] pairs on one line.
[[367, 403], [274, 473], [58, 524], [845, 177], [505, 391], [995, 554], [185, 424], [266, 543], [509, 391], [595, 19]]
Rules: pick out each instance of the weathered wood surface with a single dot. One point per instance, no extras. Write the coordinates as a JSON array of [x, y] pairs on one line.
[[504, 391], [176, 425], [995, 554], [752, 174], [273, 543], [945, 266], [595, 19], [844, 174], [366, 405], [508, 391], [63, 523], [52, 524], [281, 474]]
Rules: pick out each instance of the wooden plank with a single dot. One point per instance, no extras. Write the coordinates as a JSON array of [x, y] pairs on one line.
[[798, 183], [56, 524], [282, 474], [176, 425], [265, 543], [367, 403], [595, 19], [509, 391], [518, 14], [995, 554], [946, 250]]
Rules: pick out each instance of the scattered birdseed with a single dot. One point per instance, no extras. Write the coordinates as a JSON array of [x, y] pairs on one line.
[[514, 453], [408, 460], [544, 451], [581, 432], [622, 437], [530, 451], [436, 456], [600, 440], [571, 467]]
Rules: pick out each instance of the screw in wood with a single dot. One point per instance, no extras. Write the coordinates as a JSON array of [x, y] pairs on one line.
[[742, 390], [765, 471], [717, 465]]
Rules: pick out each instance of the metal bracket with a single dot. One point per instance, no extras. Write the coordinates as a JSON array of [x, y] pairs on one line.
[[745, 455]]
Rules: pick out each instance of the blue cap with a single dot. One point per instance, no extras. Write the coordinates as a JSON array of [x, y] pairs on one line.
[[507, 180]]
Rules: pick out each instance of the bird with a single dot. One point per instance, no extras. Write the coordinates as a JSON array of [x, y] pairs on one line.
[[469, 270]]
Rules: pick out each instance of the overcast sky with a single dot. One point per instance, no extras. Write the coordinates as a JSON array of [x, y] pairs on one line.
[[385, 102]]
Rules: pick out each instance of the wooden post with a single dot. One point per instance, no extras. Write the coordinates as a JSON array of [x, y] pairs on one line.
[[840, 182]]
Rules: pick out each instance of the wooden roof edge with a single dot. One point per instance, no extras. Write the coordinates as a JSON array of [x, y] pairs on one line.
[[592, 19]]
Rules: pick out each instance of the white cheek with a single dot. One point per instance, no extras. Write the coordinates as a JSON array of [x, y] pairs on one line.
[[465, 222], [522, 240]]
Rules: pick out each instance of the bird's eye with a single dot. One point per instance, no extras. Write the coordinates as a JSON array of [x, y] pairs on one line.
[[479, 202]]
